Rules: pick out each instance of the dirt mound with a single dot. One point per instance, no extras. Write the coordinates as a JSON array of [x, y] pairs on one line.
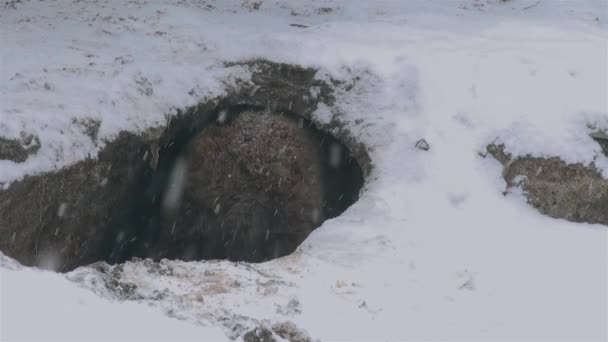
[[574, 192], [252, 189]]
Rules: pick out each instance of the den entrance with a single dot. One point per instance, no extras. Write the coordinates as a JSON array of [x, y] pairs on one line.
[[240, 183]]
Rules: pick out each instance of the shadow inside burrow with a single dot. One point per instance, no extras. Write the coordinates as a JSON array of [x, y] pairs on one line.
[[147, 229], [112, 207]]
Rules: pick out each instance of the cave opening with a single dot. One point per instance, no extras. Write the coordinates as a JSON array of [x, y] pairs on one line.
[[248, 185], [235, 182]]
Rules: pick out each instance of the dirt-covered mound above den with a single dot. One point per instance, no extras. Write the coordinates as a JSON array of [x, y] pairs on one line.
[[574, 192], [252, 189]]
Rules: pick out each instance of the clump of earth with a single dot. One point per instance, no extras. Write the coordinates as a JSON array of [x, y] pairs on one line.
[[574, 192]]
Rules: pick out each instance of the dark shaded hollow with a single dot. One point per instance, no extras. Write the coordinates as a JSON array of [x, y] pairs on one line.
[[108, 209], [236, 202], [111, 209]]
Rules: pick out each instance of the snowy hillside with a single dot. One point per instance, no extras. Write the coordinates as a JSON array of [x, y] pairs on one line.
[[432, 250]]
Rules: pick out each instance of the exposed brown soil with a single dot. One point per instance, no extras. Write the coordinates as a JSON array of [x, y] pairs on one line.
[[252, 187], [113, 208], [59, 217], [574, 192]]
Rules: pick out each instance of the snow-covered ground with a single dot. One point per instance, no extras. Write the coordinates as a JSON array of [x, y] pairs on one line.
[[432, 250]]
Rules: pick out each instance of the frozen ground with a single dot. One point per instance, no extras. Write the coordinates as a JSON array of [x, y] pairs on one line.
[[432, 250]]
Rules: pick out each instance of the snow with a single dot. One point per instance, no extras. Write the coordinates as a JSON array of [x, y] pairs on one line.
[[432, 250], [43, 305]]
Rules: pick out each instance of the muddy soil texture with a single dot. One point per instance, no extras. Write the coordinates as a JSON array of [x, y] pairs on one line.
[[574, 192]]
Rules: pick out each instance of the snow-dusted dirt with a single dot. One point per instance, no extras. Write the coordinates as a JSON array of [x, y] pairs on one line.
[[432, 250]]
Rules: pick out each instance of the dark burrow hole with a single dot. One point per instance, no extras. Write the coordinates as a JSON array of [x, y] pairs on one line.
[[250, 185], [238, 183]]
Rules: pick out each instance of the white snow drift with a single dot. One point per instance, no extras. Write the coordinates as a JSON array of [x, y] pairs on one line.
[[432, 250]]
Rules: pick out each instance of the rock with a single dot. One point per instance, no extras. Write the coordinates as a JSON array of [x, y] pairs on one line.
[[574, 192], [422, 145]]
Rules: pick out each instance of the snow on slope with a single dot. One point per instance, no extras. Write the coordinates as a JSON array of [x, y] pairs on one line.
[[41, 305], [432, 250]]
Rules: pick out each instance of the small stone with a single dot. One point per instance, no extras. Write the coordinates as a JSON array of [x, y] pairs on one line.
[[422, 145]]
